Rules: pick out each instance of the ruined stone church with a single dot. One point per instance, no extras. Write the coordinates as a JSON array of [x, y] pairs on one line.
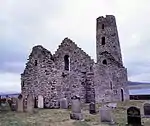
[[70, 71]]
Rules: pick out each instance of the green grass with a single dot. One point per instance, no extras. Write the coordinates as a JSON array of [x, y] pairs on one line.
[[58, 117]]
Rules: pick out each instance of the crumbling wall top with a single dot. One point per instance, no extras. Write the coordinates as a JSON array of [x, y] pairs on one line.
[[67, 42], [107, 17]]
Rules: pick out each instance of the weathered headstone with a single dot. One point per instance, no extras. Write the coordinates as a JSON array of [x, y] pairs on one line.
[[63, 103], [10, 102], [106, 115], [20, 103], [76, 109], [92, 108], [134, 116], [146, 109], [40, 101], [30, 103], [7, 98], [13, 104]]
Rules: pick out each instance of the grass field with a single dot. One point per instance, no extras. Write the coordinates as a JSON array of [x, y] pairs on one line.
[[58, 117]]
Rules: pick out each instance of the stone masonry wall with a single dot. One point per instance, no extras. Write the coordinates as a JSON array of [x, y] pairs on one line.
[[45, 75], [80, 64], [109, 80], [41, 77]]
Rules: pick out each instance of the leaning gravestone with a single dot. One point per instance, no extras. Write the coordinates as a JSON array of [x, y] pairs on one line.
[[92, 108], [76, 109], [30, 103], [134, 116], [106, 115], [63, 103], [40, 101], [20, 103], [146, 109]]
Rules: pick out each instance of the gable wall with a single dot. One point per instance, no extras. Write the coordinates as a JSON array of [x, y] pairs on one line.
[[80, 65], [43, 79]]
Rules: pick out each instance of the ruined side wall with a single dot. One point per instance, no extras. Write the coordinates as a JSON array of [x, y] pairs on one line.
[[109, 80], [40, 77], [74, 81]]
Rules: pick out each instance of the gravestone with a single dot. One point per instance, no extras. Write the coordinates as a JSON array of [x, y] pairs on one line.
[[106, 115], [40, 101], [63, 103], [76, 109], [13, 104], [134, 116], [30, 103], [92, 108], [147, 109], [20, 103], [10, 102]]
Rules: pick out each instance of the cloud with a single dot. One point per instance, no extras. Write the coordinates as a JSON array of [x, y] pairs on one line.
[[27, 23], [9, 83], [13, 67]]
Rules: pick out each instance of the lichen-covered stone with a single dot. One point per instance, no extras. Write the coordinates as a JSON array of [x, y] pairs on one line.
[[70, 71]]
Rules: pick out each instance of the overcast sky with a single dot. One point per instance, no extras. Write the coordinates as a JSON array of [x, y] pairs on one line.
[[26, 23]]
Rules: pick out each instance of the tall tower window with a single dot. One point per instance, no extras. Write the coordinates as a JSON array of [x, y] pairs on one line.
[[67, 62], [35, 62], [111, 86], [22, 83], [122, 95], [104, 62], [103, 40], [102, 26]]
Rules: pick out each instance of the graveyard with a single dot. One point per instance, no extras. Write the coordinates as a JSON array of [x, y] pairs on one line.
[[61, 117]]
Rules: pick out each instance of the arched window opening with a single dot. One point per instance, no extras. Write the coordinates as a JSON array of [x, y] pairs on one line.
[[103, 40], [122, 95], [105, 62], [35, 102], [35, 62], [91, 68], [67, 62], [22, 83], [111, 86], [102, 26]]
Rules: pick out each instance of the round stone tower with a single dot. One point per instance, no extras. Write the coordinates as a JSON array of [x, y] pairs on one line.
[[107, 39], [110, 75]]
